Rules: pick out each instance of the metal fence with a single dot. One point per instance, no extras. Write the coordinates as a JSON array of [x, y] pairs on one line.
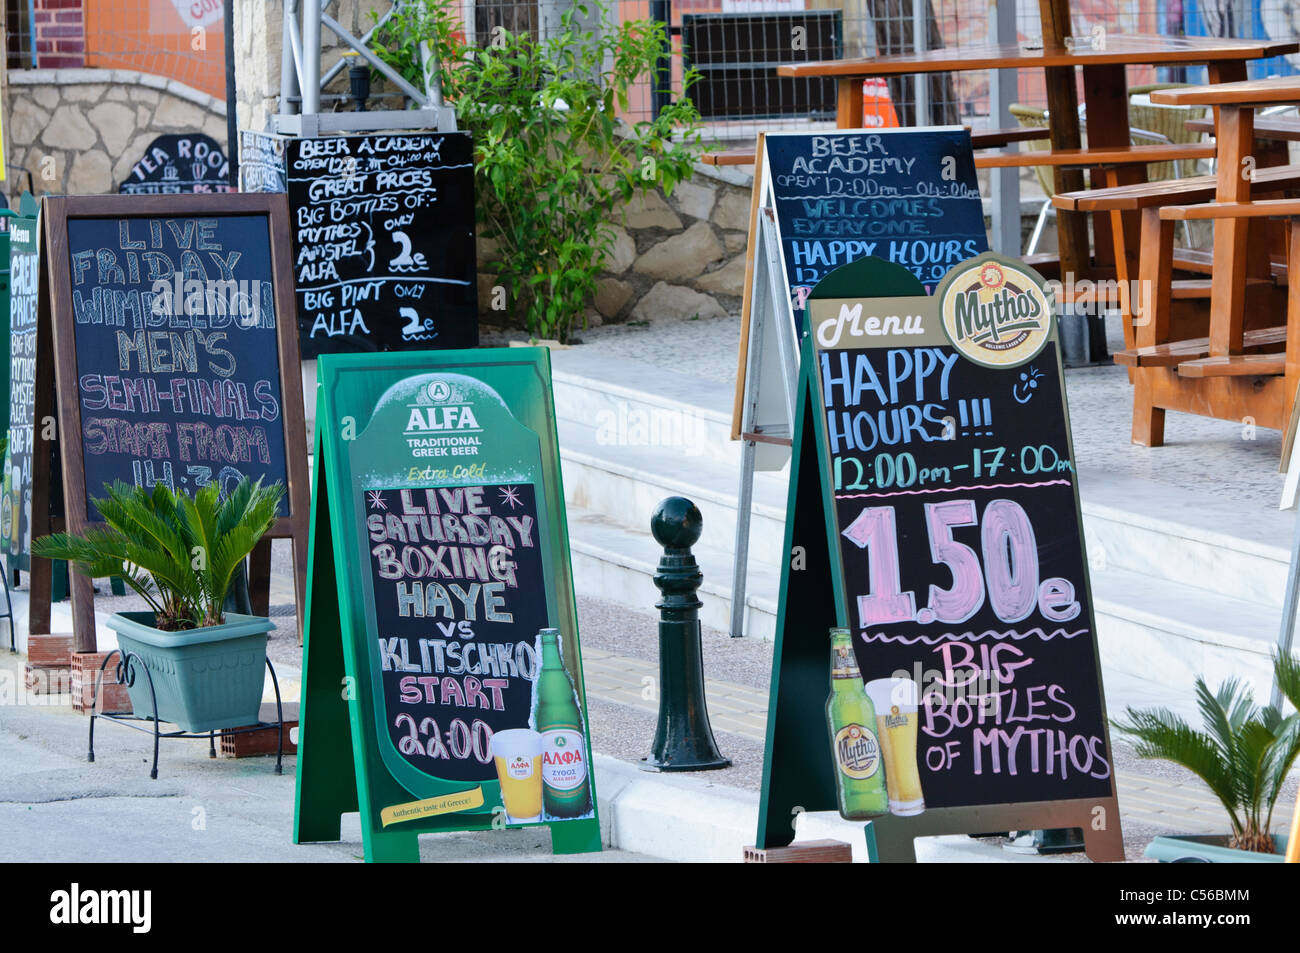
[[736, 43]]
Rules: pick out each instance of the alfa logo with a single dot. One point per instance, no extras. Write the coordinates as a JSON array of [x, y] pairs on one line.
[[560, 742], [995, 312], [438, 391]]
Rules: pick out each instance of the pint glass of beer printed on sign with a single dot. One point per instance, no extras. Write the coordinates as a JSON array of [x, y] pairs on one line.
[[895, 701], [518, 756]]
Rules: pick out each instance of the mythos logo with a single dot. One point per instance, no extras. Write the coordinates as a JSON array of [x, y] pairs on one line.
[[437, 411], [995, 313]]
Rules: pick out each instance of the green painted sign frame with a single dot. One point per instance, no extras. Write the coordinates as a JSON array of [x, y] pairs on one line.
[[798, 766], [347, 758]]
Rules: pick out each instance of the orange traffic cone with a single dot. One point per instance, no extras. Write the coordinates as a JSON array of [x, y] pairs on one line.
[[877, 107]]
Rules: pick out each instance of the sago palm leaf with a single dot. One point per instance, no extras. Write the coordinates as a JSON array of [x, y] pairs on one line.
[[99, 553], [1161, 734], [1286, 670], [1285, 750], [1224, 712], [1250, 767]]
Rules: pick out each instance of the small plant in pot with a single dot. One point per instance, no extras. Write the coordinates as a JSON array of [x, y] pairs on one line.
[[1243, 754], [180, 554]]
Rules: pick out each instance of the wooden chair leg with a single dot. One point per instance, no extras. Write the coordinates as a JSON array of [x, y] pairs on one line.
[[1155, 274]]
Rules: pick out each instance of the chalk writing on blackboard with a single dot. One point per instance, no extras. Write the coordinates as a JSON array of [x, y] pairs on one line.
[[383, 237], [177, 358], [459, 600], [173, 164], [959, 535], [909, 197], [24, 284]]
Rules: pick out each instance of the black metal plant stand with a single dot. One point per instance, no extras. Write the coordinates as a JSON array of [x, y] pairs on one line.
[[128, 664]]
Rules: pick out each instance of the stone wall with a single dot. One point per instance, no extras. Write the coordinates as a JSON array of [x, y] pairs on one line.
[[79, 131], [676, 257]]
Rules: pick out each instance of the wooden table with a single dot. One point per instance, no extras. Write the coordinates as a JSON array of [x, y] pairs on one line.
[[1104, 85], [1247, 367], [1235, 121]]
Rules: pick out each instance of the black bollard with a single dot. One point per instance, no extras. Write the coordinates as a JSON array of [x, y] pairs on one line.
[[683, 738]]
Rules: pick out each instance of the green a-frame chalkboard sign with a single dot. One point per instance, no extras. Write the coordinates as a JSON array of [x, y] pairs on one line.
[[933, 510], [438, 555]]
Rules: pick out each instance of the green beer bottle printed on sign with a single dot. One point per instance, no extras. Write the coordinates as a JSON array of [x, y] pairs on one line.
[[859, 774], [565, 788]]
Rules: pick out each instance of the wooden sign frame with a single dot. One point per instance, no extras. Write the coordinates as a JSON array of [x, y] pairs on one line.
[[347, 761], [798, 769], [57, 376]]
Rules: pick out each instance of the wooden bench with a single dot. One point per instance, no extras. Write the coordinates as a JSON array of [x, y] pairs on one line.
[[1280, 130], [1124, 203], [1247, 367], [1097, 156], [1193, 349]]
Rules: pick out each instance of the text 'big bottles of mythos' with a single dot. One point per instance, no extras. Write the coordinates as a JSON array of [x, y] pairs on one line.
[[556, 716], [851, 717]]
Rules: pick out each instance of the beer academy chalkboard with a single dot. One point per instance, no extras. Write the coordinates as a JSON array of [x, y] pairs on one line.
[[171, 359], [439, 552], [934, 506], [908, 196], [383, 237]]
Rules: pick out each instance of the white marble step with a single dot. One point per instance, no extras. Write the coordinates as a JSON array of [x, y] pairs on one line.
[[1186, 536], [1129, 525], [1163, 634], [1171, 633], [626, 484], [635, 405], [618, 563]]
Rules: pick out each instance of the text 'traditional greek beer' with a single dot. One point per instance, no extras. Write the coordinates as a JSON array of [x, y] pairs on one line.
[[895, 700], [565, 786], [518, 756], [859, 771]]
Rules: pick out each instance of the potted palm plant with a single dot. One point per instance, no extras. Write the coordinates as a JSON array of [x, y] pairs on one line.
[[205, 666], [1243, 754]]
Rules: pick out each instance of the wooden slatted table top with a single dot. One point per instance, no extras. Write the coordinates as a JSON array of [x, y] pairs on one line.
[[1283, 130], [1136, 48], [1098, 155], [1274, 91]]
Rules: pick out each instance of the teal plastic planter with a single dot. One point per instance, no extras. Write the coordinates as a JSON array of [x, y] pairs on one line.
[[1210, 847], [204, 679]]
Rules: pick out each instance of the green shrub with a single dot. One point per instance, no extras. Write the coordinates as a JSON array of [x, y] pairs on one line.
[[552, 157]]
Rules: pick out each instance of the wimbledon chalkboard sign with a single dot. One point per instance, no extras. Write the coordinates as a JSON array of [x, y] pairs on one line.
[[172, 361], [935, 477], [383, 238], [440, 563], [176, 163]]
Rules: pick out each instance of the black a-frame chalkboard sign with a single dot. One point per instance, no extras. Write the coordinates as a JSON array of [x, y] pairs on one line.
[[933, 511]]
